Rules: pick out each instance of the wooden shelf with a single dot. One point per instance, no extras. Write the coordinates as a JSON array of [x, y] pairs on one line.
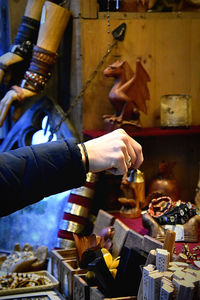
[[150, 131]]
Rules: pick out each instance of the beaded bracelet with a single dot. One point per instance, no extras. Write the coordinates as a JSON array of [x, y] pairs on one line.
[[34, 82], [178, 215], [39, 70], [26, 85], [87, 165]]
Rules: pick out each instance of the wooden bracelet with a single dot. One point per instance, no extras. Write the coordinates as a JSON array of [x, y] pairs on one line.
[[87, 165]]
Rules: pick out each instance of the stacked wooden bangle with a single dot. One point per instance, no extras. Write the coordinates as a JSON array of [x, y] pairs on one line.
[[76, 212], [39, 70]]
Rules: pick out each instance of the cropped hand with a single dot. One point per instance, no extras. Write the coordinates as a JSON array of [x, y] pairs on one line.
[[115, 152], [9, 98]]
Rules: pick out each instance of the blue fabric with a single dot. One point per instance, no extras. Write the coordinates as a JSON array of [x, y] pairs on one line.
[[29, 174]]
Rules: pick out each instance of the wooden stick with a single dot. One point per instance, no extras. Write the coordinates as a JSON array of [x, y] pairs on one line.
[[169, 242]]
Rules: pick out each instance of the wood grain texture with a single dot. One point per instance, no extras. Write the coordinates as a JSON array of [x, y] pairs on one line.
[[168, 47], [53, 23]]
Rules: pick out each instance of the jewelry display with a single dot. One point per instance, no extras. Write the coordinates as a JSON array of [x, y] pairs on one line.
[[165, 212]]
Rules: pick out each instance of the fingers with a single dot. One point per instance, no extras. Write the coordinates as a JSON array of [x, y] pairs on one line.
[[135, 152], [115, 152], [132, 152], [129, 153], [118, 166], [5, 104]]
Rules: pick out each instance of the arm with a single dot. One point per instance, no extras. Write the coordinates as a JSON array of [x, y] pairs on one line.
[[29, 174]]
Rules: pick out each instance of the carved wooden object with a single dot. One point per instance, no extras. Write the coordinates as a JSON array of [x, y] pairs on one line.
[[128, 95]]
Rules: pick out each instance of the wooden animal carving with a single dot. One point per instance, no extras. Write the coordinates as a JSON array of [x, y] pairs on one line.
[[128, 94], [133, 188]]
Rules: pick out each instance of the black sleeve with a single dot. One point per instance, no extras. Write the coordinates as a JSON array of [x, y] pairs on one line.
[[29, 174]]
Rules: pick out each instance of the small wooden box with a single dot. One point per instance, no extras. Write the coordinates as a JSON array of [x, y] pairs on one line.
[[134, 239], [68, 269], [151, 243], [104, 219], [121, 232], [81, 290], [96, 294], [59, 255]]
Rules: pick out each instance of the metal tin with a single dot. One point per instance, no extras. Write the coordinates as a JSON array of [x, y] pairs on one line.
[[175, 110]]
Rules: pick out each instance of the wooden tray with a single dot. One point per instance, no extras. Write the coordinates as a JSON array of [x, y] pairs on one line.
[[54, 284]]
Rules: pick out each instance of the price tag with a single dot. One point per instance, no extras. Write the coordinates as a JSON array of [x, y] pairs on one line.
[[179, 229]]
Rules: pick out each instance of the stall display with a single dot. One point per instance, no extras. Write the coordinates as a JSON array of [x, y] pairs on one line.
[[118, 261], [163, 214]]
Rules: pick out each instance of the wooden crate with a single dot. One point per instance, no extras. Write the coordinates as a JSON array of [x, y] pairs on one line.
[[81, 290], [121, 231], [56, 256], [69, 268], [151, 243], [95, 294], [134, 239], [104, 219]]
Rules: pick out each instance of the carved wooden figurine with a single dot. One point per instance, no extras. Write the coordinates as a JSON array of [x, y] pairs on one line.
[[133, 188], [128, 95]]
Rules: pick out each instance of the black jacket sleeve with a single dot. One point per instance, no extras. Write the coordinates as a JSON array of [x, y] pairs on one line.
[[29, 174]]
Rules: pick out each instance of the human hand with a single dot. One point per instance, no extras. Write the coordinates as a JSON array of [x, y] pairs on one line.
[[6, 60], [115, 152], [17, 94]]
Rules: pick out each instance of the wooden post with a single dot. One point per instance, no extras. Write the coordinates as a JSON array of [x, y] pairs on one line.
[[89, 9]]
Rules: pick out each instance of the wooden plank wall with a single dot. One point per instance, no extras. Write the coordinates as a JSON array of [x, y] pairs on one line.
[[169, 47]]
